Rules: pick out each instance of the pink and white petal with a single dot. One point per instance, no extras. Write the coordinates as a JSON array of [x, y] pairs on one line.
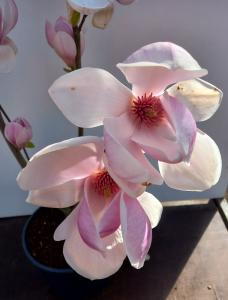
[[182, 121], [102, 17], [56, 164], [110, 221], [201, 173], [88, 7], [123, 154], [7, 58], [132, 189], [90, 263], [156, 146], [10, 14], [202, 98], [50, 33], [87, 224], [65, 229], [87, 105], [60, 196], [65, 47], [63, 25], [136, 230], [152, 207], [155, 66]]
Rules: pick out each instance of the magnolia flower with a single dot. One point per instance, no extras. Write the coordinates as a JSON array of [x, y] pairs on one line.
[[18, 132], [76, 171], [8, 50], [161, 120], [61, 38], [102, 10]]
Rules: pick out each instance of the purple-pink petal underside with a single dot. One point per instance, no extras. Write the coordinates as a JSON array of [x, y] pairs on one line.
[[10, 16]]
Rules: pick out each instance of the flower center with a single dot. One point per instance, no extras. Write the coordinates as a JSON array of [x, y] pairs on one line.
[[147, 110], [104, 184]]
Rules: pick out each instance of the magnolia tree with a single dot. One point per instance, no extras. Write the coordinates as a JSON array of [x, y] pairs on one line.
[[104, 180]]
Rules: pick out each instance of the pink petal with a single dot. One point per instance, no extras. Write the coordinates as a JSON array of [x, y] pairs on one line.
[[136, 230], [50, 33], [201, 173], [58, 163], [125, 158], [63, 25], [10, 16], [65, 229], [60, 196], [202, 98], [102, 17], [110, 220], [7, 57], [162, 146], [65, 47], [90, 263], [86, 223], [88, 7], [87, 105], [153, 67], [152, 207]]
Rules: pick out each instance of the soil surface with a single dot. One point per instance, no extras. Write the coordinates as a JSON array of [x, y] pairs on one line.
[[40, 240]]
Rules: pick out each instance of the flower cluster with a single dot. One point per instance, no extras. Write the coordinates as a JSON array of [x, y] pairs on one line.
[[106, 178]]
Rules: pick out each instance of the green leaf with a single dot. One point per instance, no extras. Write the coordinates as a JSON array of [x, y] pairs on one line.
[[75, 18], [30, 145]]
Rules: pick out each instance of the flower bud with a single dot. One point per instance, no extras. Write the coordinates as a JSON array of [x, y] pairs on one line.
[[18, 132]]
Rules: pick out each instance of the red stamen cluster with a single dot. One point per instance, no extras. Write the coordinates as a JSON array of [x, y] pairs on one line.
[[147, 110], [104, 184]]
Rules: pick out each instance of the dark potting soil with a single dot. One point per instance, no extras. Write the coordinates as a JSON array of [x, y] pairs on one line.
[[40, 239]]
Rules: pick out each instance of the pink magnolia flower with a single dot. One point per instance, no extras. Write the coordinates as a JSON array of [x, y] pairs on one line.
[[8, 20], [102, 10], [77, 171], [158, 118], [18, 132], [61, 38]]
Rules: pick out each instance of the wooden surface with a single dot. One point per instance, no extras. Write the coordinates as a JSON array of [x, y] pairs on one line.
[[189, 260]]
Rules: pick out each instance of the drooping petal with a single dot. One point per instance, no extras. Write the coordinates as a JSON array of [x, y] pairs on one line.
[[136, 230], [60, 196], [88, 7], [89, 95], [65, 229], [50, 33], [152, 207], [58, 163], [90, 263], [202, 171], [7, 58], [124, 156], [201, 97], [65, 47], [110, 220], [155, 66], [10, 16], [62, 24], [102, 17]]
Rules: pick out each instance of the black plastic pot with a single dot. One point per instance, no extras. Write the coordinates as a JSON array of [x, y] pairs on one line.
[[64, 281]]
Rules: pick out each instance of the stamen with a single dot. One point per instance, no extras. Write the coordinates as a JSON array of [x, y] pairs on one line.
[[104, 184], [147, 110]]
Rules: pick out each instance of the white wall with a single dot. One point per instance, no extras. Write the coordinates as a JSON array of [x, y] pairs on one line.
[[199, 26]]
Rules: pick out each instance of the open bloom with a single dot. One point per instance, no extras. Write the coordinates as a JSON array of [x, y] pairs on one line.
[[61, 38], [76, 170], [102, 10], [8, 20], [18, 132], [161, 120]]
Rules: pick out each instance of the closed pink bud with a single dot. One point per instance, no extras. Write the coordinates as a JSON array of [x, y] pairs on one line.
[[18, 132]]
